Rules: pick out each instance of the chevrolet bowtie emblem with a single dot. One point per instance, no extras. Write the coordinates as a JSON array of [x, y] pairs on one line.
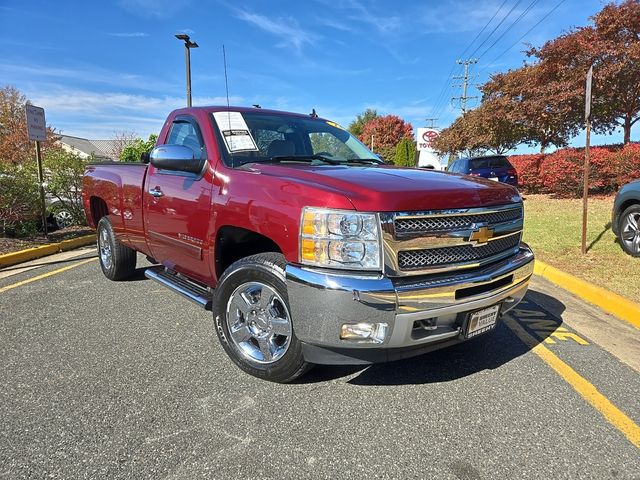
[[481, 236]]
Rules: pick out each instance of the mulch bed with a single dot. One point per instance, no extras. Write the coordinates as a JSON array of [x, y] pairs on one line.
[[8, 245]]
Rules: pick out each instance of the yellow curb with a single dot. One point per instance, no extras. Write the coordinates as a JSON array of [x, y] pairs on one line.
[[608, 301], [37, 252]]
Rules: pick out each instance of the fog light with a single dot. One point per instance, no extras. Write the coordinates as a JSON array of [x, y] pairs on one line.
[[364, 332]]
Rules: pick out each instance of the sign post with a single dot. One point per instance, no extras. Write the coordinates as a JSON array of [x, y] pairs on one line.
[[37, 131], [585, 178]]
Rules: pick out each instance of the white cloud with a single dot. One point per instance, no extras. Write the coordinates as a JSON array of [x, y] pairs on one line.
[[99, 114], [285, 28], [22, 72], [129, 34]]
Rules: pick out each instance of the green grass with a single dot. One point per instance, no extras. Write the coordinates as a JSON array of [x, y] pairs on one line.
[[553, 229]]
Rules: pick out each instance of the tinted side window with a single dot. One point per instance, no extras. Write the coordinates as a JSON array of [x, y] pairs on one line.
[[187, 133]]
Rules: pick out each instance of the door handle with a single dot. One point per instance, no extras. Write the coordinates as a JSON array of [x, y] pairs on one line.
[[156, 192]]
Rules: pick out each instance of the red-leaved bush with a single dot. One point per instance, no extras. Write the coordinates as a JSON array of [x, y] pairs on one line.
[[528, 168], [561, 172]]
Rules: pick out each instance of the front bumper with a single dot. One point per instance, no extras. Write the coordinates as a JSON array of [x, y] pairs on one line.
[[422, 313]]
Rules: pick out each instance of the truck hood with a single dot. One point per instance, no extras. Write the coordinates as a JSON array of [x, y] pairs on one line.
[[387, 188]]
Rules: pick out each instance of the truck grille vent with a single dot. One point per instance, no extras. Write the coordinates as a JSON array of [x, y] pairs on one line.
[[443, 223], [420, 259]]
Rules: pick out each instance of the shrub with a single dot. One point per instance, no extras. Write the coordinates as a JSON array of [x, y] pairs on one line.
[[19, 200], [528, 168], [405, 153], [561, 172], [627, 161], [64, 172]]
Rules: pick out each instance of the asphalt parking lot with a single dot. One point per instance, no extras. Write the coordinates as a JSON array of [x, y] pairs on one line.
[[127, 380]]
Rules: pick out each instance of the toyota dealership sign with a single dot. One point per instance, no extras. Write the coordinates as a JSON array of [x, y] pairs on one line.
[[425, 138]]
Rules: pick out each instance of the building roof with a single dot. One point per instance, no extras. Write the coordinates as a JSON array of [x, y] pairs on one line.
[[84, 147]]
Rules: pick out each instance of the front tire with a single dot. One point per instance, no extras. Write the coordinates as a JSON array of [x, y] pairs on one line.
[[253, 319], [117, 261], [629, 230]]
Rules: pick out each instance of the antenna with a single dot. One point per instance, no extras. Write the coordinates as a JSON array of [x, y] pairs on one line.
[[226, 81], [226, 84]]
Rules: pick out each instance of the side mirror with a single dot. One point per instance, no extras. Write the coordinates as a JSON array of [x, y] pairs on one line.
[[176, 158]]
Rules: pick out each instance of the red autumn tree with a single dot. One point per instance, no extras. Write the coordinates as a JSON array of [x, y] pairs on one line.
[[483, 129], [387, 131], [540, 106], [15, 146], [546, 97]]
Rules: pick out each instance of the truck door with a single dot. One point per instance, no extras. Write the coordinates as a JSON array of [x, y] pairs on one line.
[[177, 208]]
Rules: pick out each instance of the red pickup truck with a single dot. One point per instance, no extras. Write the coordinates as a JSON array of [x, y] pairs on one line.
[[305, 245]]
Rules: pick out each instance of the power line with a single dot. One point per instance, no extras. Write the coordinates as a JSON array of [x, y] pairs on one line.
[[495, 28], [513, 24], [483, 29], [441, 98], [524, 35]]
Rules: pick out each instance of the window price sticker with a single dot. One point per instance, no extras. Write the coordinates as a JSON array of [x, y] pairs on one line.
[[235, 132]]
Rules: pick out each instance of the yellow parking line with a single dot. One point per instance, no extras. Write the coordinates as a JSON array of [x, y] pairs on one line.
[[45, 275], [586, 390]]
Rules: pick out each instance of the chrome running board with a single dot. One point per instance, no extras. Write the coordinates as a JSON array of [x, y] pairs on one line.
[[189, 289]]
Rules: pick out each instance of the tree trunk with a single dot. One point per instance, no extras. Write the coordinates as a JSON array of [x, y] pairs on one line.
[[627, 129]]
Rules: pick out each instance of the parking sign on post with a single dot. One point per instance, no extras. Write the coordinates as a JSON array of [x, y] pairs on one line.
[[36, 127], [37, 131]]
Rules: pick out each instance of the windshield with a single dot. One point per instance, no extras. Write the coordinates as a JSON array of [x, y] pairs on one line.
[[265, 137]]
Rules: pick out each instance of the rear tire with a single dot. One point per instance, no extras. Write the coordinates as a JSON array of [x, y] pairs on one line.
[[629, 230], [117, 261], [253, 320]]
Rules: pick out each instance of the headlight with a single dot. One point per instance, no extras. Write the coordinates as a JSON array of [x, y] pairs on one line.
[[340, 239]]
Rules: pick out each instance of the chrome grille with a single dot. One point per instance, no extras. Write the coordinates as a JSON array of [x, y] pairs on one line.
[[453, 222], [433, 257]]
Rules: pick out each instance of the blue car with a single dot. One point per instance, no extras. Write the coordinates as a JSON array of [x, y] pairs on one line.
[[495, 167]]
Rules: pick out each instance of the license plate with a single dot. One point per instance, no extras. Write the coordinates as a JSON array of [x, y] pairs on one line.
[[495, 179], [482, 321]]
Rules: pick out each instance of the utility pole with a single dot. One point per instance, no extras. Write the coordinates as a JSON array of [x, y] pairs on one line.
[[188, 45], [465, 83], [431, 122]]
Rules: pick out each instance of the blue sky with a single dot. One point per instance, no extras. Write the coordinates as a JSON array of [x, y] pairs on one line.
[[100, 67]]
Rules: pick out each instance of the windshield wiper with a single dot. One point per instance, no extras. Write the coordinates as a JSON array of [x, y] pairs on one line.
[[303, 158], [364, 160]]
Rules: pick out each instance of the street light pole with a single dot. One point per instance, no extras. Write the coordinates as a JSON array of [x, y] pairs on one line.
[[188, 45]]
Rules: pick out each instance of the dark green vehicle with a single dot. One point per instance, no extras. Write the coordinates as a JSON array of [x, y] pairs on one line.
[[625, 218]]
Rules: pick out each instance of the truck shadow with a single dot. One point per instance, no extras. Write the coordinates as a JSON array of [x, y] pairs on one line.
[[486, 352]]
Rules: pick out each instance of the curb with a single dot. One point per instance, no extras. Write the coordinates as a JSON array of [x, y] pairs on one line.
[[608, 301], [37, 252]]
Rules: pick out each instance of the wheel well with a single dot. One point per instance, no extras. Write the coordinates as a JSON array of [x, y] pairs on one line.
[[234, 243], [627, 204], [98, 209]]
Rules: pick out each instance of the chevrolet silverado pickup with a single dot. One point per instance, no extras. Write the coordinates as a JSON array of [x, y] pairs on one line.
[[305, 246]]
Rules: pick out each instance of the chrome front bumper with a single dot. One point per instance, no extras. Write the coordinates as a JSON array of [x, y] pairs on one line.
[[322, 301]]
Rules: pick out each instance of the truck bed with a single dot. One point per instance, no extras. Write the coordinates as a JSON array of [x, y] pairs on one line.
[[120, 185]]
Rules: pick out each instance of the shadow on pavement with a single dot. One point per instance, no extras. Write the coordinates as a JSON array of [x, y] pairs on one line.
[[137, 276], [20, 266], [486, 352]]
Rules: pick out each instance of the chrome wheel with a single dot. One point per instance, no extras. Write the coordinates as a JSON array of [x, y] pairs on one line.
[[63, 218], [630, 232], [104, 248], [259, 322]]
